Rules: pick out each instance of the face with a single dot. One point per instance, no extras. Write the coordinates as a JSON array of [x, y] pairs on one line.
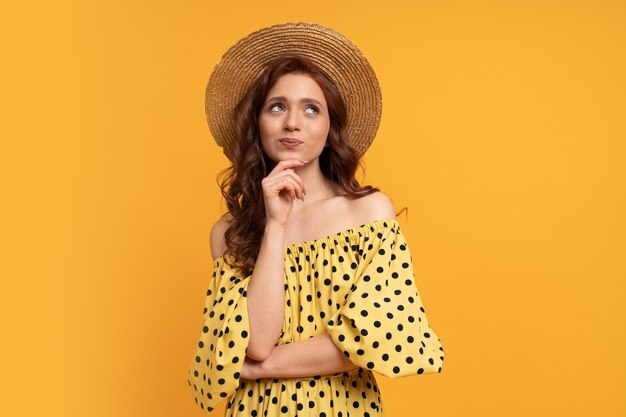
[[294, 121]]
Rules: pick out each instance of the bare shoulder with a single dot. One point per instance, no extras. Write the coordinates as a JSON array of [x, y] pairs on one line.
[[218, 245], [375, 206]]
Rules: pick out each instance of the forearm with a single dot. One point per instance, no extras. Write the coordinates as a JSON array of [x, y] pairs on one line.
[[315, 356], [266, 293]]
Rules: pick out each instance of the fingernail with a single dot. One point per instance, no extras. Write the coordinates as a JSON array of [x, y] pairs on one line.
[[304, 161]]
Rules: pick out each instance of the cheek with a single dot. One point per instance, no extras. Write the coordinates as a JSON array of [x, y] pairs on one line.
[[265, 127], [321, 129]]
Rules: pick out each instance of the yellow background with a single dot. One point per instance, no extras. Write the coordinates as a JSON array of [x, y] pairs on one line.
[[503, 131]]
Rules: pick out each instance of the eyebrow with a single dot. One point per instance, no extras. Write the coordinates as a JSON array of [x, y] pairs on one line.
[[302, 100]]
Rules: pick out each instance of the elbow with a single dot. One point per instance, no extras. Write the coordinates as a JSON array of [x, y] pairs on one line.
[[257, 356], [256, 353], [261, 345]]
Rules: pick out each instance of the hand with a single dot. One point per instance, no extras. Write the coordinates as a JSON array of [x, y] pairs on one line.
[[280, 187]]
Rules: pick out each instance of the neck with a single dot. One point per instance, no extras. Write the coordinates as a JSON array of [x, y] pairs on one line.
[[317, 186]]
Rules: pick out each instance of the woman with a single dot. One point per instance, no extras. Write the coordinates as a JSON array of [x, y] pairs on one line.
[[312, 288]]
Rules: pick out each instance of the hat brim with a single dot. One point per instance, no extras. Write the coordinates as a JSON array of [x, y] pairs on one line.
[[340, 60]]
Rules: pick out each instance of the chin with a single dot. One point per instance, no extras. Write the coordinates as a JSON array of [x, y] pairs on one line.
[[289, 154]]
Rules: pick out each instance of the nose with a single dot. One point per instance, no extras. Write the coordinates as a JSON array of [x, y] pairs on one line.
[[291, 121]]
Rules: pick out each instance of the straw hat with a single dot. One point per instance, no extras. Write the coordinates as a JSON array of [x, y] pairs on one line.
[[338, 58]]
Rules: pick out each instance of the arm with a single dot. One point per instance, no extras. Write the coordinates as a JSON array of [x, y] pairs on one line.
[[266, 294], [317, 355], [266, 291]]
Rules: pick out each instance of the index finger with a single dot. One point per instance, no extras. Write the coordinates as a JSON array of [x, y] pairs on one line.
[[288, 163]]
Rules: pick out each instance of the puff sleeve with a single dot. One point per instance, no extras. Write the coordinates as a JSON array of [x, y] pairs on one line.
[[382, 326], [219, 355]]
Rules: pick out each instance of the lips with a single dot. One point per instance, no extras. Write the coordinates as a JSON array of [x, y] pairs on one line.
[[291, 141]]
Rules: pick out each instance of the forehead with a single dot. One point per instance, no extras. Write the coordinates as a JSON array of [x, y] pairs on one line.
[[297, 85]]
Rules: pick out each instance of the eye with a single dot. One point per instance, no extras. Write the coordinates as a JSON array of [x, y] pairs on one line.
[[312, 109], [276, 107]]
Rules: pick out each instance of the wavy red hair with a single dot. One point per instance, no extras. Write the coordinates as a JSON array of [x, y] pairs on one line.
[[241, 182]]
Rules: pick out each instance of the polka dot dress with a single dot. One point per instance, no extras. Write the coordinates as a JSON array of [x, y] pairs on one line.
[[357, 285]]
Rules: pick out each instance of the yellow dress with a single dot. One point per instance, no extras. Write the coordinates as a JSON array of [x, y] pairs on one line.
[[357, 285]]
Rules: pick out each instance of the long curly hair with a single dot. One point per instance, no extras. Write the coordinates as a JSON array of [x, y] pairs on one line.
[[240, 183]]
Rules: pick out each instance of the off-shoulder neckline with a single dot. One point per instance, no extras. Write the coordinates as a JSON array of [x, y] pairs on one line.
[[328, 238]]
